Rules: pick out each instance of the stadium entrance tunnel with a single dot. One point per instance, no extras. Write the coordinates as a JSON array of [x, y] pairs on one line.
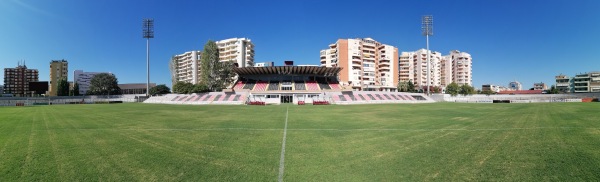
[[287, 99]]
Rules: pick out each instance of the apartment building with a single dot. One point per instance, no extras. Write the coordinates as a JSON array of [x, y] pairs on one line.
[[461, 68], [238, 50], [16, 80], [186, 67], [59, 69], [83, 79], [540, 86], [368, 65], [586, 82], [413, 67], [515, 85], [564, 84], [443, 70]]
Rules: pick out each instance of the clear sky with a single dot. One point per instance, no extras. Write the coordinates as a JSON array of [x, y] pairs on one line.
[[529, 41]]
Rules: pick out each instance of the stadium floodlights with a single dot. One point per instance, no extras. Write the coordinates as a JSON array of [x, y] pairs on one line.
[[148, 33], [427, 30]]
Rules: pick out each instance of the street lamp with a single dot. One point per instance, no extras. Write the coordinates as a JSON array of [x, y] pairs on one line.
[[427, 29], [148, 33]]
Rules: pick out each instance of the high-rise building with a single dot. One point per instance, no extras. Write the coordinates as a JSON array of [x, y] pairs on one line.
[[443, 70], [16, 80], [186, 67], [59, 69], [83, 79], [238, 50], [413, 67], [368, 65], [462, 71]]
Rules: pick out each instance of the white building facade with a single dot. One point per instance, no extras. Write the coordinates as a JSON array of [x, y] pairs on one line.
[[83, 79], [186, 67], [368, 65], [238, 50], [462, 72], [413, 66], [443, 70]]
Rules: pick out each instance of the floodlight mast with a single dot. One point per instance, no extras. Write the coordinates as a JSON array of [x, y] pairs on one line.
[[427, 29], [148, 33]]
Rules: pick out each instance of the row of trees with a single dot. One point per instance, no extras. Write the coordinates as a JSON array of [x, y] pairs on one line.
[[188, 88], [454, 89], [102, 84]]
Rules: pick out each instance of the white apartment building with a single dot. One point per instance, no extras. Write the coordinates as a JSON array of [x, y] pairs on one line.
[[368, 65], [413, 66], [443, 70], [238, 50], [462, 71], [83, 79], [186, 67]]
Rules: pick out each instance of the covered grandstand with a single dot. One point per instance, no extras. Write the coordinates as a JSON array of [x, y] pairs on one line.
[[290, 84]]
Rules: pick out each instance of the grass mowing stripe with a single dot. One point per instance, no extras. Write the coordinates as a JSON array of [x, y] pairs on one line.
[[282, 158], [326, 129]]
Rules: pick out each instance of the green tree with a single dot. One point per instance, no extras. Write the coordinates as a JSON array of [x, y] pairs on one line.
[[200, 88], [173, 69], [452, 89], [216, 75], [159, 90], [466, 90], [411, 86], [402, 86], [104, 83], [553, 90], [76, 89], [62, 89], [183, 88], [436, 89]]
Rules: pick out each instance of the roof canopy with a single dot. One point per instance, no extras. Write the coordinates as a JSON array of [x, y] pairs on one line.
[[289, 70]]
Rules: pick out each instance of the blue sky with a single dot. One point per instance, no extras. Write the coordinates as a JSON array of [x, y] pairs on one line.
[[529, 41]]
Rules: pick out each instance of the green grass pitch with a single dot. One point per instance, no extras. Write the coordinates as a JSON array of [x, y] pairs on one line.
[[401, 142]]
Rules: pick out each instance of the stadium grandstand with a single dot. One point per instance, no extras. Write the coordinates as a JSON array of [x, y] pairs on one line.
[[290, 84]]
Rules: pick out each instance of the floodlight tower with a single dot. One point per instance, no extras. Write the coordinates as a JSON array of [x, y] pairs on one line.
[[427, 29], [148, 33]]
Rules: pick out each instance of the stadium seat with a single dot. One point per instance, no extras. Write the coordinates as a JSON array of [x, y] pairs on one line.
[[312, 86], [299, 85]]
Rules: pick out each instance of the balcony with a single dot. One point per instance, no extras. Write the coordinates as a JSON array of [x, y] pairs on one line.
[[384, 62]]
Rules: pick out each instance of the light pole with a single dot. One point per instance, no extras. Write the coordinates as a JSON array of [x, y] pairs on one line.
[[148, 33], [427, 29]]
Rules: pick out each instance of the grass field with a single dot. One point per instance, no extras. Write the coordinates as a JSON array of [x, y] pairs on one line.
[[402, 142]]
